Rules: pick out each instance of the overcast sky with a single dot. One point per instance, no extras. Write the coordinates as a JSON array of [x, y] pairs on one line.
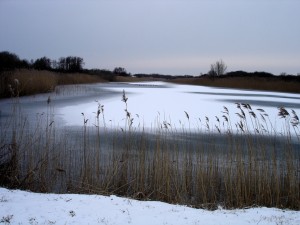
[[157, 36]]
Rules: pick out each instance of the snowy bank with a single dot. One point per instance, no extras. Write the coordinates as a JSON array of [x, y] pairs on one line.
[[21, 207]]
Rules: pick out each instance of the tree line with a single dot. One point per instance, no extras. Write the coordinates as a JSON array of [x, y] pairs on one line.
[[11, 61], [70, 64]]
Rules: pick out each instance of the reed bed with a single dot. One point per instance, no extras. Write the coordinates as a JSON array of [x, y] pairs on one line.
[[40, 81], [232, 165], [253, 83]]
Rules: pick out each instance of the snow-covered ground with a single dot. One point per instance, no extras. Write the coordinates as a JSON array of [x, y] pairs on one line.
[[20, 207]]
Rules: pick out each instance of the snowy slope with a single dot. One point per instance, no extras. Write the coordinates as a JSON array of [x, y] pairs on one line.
[[20, 207]]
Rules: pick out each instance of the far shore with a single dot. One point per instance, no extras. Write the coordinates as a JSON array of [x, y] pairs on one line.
[[41, 81]]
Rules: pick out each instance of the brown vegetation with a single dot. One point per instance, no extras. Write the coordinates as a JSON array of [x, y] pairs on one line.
[[211, 167], [214, 166], [40, 81], [135, 79], [254, 83]]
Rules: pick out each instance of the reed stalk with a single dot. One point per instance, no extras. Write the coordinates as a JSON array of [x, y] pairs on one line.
[[253, 165]]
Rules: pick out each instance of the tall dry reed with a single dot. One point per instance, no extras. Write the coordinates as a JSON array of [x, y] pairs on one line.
[[249, 163]]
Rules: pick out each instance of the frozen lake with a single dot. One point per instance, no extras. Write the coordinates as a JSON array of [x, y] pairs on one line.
[[154, 104], [63, 128]]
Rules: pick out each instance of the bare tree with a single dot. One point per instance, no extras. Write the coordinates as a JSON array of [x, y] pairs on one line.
[[121, 71], [43, 63], [70, 64], [10, 61], [217, 69]]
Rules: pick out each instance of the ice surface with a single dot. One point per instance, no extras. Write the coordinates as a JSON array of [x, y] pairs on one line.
[[153, 103]]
